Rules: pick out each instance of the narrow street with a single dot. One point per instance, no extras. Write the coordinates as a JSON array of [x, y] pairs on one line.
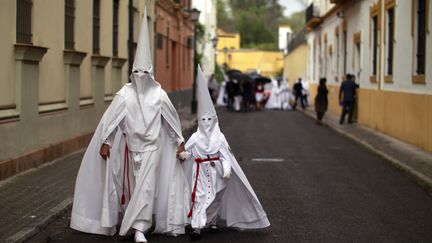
[[315, 185]]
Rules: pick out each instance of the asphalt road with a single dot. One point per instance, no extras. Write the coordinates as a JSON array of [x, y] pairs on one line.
[[315, 186]]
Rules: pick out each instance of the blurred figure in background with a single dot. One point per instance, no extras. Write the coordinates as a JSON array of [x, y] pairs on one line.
[[273, 101], [347, 95], [259, 94], [285, 94], [212, 87], [298, 94], [230, 89], [222, 94], [248, 95], [321, 101]]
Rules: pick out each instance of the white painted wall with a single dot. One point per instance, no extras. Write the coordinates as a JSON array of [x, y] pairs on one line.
[[357, 15], [283, 37], [208, 19]]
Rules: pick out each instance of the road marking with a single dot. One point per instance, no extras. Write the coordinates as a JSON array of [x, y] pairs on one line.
[[267, 159]]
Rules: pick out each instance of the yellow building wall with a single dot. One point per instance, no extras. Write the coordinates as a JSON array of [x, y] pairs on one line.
[[405, 116], [227, 40], [267, 63], [295, 64]]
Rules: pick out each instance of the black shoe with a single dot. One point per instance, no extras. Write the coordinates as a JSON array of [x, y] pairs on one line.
[[194, 235], [213, 228]]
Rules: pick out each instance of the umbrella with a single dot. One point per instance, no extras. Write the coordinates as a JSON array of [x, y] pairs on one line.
[[262, 79]]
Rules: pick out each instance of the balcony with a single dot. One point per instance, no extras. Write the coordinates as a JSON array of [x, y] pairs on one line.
[[312, 17]]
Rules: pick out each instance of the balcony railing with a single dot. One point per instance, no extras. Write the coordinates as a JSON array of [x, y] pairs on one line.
[[312, 16], [298, 39]]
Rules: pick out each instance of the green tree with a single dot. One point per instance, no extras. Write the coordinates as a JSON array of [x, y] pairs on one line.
[[257, 22], [224, 20], [296, 21]]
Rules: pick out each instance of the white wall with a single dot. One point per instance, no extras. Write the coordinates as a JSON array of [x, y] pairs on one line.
[[208, 19], [357, 16]]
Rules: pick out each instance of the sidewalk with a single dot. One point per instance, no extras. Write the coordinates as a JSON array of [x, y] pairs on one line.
[[30, 200], [404, 156]]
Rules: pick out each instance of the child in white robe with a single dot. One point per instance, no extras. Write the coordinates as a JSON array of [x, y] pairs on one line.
[[219, 188]]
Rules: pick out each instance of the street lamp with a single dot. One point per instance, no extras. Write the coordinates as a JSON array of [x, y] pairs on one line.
[[194, 15]]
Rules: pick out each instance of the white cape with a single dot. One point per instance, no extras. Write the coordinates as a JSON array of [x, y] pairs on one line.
[[240, 206], [98, 189], [274, 100]]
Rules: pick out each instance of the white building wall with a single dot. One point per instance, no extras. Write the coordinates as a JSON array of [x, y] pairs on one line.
[[358, 20], [283, 37], [208, 19]]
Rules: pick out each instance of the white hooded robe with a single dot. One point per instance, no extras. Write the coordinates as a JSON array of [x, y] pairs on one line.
[[232, 200]]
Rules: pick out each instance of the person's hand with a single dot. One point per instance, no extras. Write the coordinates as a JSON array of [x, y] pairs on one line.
[[227, 173], [180, 149], [105, 151]]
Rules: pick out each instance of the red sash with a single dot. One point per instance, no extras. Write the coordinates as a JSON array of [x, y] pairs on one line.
[[198, 161], [126, 168]]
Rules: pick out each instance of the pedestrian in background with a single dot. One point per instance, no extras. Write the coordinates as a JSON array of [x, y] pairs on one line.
[[321, 101], [259, 94], [298, 94], [212, 87], [347, 95], [230, 89]]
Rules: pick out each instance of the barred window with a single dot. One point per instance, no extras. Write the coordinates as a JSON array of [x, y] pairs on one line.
[[96, 26], [390, 40], [159, 41], [167, 61], [421, 36], [375, 45], [115, 26], [69, 24], [23, 19]]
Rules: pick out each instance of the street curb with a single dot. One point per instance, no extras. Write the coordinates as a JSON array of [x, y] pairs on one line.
[[422, 180], [28, 232]]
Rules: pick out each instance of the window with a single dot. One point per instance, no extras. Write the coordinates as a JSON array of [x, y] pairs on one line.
[[115, 27], [325, 66], [69, 24], [190, 42], [167, 61], [374, 45], [23, 19], [390, 40], [421, 36], [96, 26], [357, 61], [159, 41], [345, 50], [337, 46]]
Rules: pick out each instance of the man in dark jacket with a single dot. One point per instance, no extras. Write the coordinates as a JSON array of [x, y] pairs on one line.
[[298, 93], [347, 96]]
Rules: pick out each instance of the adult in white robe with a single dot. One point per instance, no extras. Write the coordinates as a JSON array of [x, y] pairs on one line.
[[274, 100], [285, 95], [143, 130], [219, 187], [222, 96]]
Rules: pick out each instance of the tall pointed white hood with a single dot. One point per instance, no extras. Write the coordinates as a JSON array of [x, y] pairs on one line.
[[208, 132], [143, 58], [147, 88]]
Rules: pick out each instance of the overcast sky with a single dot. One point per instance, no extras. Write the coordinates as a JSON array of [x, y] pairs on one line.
[[291, 6]]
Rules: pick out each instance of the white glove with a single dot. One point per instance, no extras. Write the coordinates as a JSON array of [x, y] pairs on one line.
[[182, 155], [227, 173]]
